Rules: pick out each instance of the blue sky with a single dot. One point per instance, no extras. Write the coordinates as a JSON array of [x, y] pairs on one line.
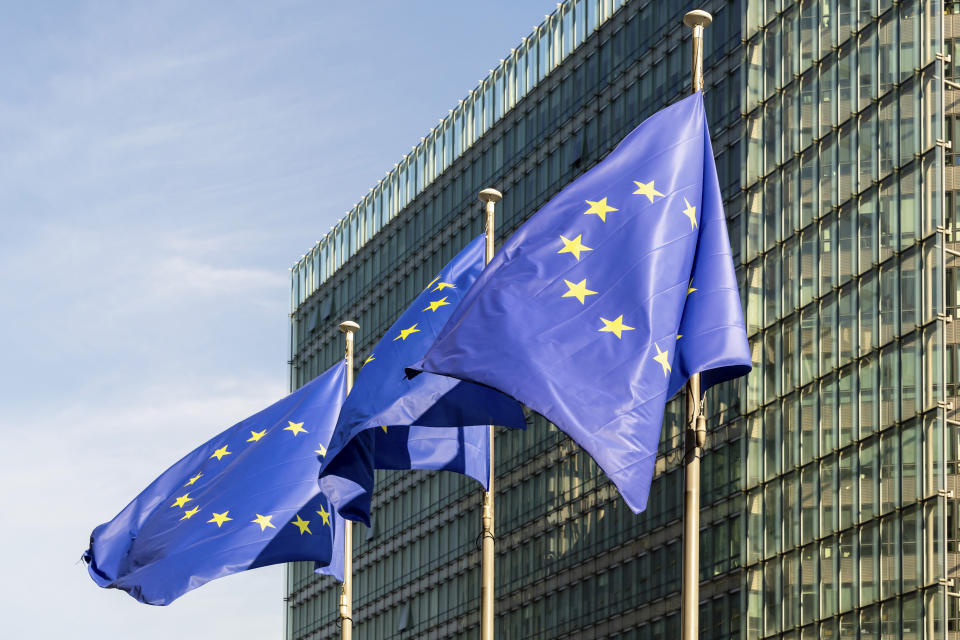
[[161, 167]]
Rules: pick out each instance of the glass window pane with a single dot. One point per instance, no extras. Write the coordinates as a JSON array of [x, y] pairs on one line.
[[828, 493], [889, 557], [809, 503], [809, 583], [808, 265], [868, 479], [847, 323], [828, 577], [869, 548]]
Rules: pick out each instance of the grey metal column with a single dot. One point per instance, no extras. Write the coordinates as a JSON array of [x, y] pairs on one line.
[[695, 432], [346, 594], [488, 596]]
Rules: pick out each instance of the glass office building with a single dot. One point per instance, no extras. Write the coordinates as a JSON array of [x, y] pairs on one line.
[[830, 480]]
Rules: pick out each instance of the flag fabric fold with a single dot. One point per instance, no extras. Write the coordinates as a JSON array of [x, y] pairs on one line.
[[247, 498], [430, 422], [600, 307]]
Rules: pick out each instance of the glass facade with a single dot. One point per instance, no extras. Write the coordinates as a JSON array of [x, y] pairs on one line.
[[842, 254], [830, 478], [537, 56]]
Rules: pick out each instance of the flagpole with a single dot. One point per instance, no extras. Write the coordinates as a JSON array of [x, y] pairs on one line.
[[695, 433], [346, 594], [490, 197]]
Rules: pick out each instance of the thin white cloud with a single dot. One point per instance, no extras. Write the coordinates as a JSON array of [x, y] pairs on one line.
[[162, 165], [181, 279], [86, 460]]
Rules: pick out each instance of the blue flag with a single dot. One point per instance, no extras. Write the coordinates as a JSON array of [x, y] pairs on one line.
[[247, 498], [430, 422], [600, 307]]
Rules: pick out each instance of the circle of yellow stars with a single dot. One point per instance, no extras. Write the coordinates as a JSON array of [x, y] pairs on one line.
[[264, 521], [576, 247]]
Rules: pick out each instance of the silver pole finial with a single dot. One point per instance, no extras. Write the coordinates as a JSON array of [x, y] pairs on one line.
[[697, 20], [490, 195]]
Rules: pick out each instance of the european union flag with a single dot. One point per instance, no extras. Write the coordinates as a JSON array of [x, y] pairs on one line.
[[430, 422], [247, 498], [600, 307]]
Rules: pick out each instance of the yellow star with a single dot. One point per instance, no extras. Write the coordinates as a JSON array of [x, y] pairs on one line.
[[436, 304], [295, 427], [690, 212], [679, 335], [661, 358], [384, 427], [263, 521], [322, 451], [646, 189], [182, 500], [194, 479], [190, 513], [443, 285], [574, 246], [302, 525], [220, 518], [578, 291], [431, 283], [691, 289], [600, 208], [323, 513], [616, 327], [256, 435], [222, 451], [368, 360], [406, 332]]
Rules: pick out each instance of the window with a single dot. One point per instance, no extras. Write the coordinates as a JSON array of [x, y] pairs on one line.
[[951, 69], [951, 132]]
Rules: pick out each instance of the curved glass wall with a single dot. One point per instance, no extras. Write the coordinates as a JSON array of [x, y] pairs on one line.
[[832, 473], [519, 73]]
